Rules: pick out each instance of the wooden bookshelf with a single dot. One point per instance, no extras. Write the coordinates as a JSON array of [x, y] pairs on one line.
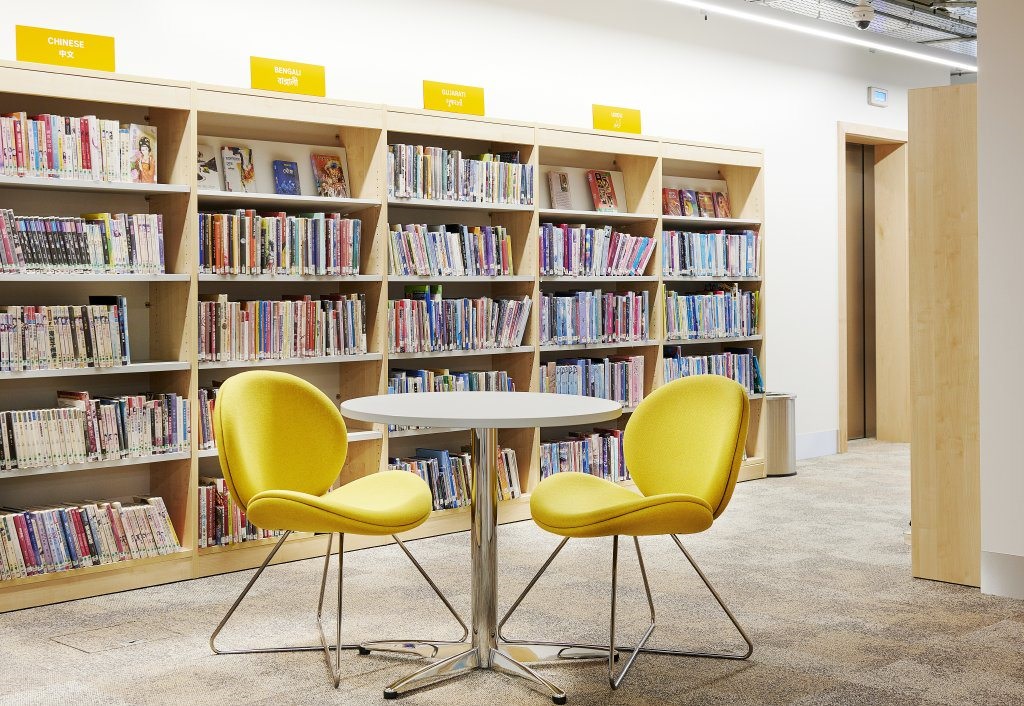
[[166, 335]]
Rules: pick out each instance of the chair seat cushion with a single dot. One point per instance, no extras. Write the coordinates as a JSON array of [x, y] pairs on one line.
[[581, 505], [378, 504]]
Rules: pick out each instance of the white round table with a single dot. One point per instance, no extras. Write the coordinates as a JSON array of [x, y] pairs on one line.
[[485, 413]]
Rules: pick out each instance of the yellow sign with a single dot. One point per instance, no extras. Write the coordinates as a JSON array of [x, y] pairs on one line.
[[287, 76], [453, 98], [609, 117], [63, 48]]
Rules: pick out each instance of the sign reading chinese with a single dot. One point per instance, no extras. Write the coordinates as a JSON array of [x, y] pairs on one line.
[[63, 48]]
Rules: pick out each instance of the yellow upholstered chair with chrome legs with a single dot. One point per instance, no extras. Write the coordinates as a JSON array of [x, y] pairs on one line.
[[282, 444], [683, 447]]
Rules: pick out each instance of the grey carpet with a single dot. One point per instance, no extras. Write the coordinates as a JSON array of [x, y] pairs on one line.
[[815, 566]]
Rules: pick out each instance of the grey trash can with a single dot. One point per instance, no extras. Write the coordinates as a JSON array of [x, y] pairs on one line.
[[781, 411]]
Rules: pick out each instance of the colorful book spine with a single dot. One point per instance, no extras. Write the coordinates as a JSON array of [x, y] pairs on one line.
[[450, 475], [303, 327], [59, 337], [710, 254], [429, 323], [207, 399], [450, 251], [740, 365], [570, 318], [221, 521], [598, 454], [434, 173], [243, 242], [619, 378], [579, 251], [722, 313]]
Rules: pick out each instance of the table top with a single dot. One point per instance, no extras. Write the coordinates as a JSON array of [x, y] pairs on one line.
[[491, 410]]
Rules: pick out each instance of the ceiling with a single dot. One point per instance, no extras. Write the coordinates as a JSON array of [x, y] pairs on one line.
[[938, 23]]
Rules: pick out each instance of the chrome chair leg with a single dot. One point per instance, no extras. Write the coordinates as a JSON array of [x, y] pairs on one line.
[[334, 670], [424, 648], [616, 680], [245, 592]]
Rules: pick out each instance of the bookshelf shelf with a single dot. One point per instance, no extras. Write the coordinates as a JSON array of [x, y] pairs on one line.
[[95, 465], [165, 331], [594, 217], [549, 347], [68, 277], [268, 279], [460, 354], [105, 187], [458, 205], [133, 369], [697, 222], [252, 543], [236, 199], [320, 360]]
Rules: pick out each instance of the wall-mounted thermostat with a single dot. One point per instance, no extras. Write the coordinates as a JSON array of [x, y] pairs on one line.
[[878, 97]]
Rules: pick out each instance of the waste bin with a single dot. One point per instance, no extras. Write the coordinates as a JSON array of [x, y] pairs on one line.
[[781, 411]]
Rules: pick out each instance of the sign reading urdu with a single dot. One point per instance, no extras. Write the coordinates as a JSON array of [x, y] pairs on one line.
[[63, 48], [610, 117], [453, 98], [287, 76]]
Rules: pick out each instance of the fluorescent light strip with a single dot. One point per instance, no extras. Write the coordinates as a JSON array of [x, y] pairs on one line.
[[810, 26]]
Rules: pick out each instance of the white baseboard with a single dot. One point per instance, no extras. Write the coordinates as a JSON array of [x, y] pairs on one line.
[[1002, 574], [817, 443]]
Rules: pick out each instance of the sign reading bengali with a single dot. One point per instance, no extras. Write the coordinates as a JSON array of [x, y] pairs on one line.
[[610, 117], [287, 76], [63, 48], [453, 98]]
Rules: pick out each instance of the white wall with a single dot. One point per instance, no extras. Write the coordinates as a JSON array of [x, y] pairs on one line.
[[719, 80], [1000, 254]]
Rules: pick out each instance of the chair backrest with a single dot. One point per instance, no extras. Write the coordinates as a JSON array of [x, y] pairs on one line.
[[275, 431], [688, 437]]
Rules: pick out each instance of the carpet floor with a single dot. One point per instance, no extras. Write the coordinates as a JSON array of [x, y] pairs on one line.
[[815, 566]]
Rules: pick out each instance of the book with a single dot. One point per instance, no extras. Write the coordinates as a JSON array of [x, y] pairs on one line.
[[453, 250], [688, 202], [329, 175], [424, 322], [239, 171], [599, 453], [286, 178], [603, 190], [62, 337], [618, 378], [438, 174], [722, 209], [142, 139], [221, 521], [725, 312], [450, 474], [739, 364], [207, 174], [593, 316], [579, 250], [444, 380], [558, 185], [670, 204], [711, 254], [705, 204]]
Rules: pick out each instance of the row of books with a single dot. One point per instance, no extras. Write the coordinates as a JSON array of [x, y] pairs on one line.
[[450, 250], [579, 250], [598, 453], [221, 520], [445, 380], [297, 327], [53, 337], [71, 536], [618, 378], [739, 364], [700, 204], [424, 322], [330, 172], [722, 313], [243, 242], [419, 172], [89, 148], [207, 400], [711, 254], [450, 474], [83, 428], [568, 318], [96, 243]]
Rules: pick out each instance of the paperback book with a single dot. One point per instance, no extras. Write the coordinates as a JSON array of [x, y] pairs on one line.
[[603, 190], [207, 173], [450, 251], [558, 186], [286, 178], [329, 175], [239, 170]]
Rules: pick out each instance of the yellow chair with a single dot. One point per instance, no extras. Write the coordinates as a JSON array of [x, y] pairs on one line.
[[683, 447], [282, 444]]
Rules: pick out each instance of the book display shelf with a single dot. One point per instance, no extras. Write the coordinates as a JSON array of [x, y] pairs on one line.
[[163, 308]]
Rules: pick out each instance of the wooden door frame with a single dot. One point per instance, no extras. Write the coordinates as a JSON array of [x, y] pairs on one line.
[[862, 135]]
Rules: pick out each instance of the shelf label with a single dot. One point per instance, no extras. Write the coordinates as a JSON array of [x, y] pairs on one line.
[[287, 76], [453, 98], [63, 48], [610, 117]]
